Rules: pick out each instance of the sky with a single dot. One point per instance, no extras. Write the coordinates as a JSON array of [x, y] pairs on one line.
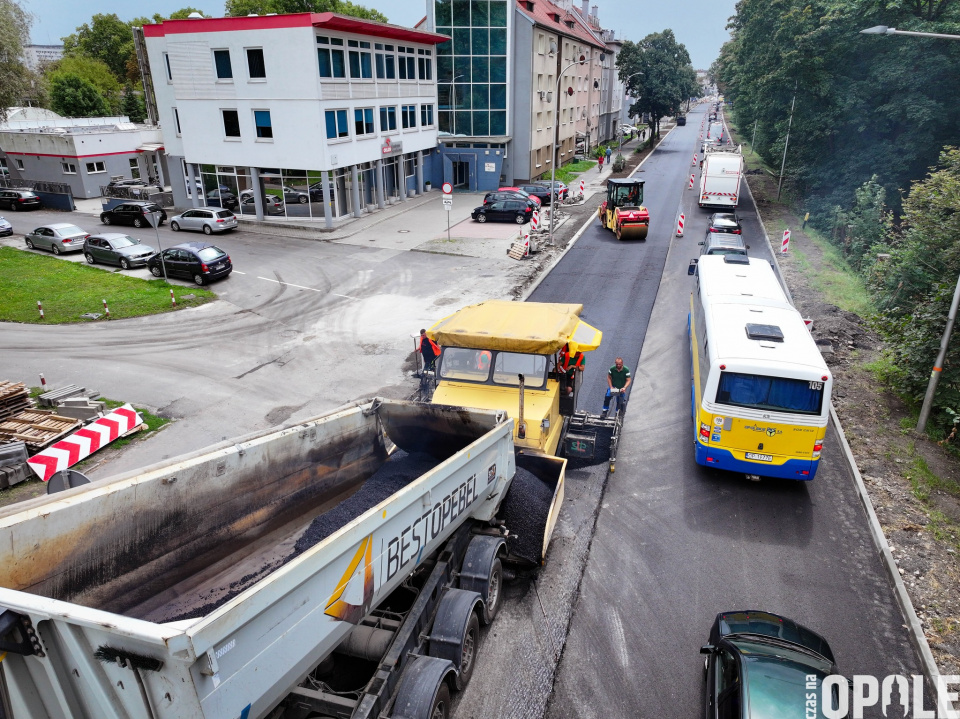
[[698, 24]]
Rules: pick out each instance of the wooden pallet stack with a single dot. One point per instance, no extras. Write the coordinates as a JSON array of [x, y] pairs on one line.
[[14, 399], [36, 428]]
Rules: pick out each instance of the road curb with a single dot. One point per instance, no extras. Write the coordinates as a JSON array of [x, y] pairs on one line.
[[915, 629], [583, 228], [917, 637]]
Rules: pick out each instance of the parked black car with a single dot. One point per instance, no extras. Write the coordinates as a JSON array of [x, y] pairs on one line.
[[222, 198], [132, 213], [724, 222], [758, 665], [681, 119], [538, 191], [512, 210], [500, 195], [200, 262], [19, 200]]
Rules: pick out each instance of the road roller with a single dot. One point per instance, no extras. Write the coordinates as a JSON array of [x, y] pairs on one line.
[[623, 211]]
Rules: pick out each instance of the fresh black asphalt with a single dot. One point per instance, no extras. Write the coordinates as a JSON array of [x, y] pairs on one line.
[[676, 543]]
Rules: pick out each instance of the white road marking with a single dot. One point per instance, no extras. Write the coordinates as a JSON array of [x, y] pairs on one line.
[[239, 272], [301, 287]]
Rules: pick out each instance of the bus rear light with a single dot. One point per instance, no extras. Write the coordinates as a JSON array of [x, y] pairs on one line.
[[705, 430], [817, 446], [803, 471]]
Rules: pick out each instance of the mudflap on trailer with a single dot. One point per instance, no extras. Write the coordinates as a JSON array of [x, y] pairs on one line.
[[592, 439]]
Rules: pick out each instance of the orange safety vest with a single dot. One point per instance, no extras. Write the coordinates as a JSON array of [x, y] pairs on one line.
[[565, 361], [483, 360], [433, 345]]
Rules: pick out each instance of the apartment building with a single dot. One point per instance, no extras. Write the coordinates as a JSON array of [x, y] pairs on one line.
[[36, 56], [333, 115]]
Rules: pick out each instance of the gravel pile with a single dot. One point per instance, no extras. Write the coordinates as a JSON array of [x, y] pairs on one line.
[[525, 511], [395, 474]]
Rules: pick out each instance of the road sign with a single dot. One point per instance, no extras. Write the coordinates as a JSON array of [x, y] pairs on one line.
[[447, 188], [448, 202]]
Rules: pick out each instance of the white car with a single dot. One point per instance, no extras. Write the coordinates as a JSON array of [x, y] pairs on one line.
[[5, 227], [205, 219]]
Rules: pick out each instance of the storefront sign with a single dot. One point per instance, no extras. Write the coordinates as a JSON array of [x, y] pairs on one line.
[[391, 148]]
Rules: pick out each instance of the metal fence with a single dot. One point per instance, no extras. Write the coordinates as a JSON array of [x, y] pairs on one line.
[[12, 183], [164, 199]]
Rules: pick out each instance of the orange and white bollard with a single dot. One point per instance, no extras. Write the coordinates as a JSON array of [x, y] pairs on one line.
[[43, 382], [535, 221], [680, 226], [40, 307], [526, 244], [692, 164], [581, 188], [173, 300], [106, 309], [690, 187], [785, 242]]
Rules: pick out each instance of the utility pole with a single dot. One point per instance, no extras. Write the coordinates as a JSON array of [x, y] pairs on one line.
[[938, 365], [786, 143]]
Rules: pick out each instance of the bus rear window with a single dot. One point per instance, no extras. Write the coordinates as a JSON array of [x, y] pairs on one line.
[[774, 394]]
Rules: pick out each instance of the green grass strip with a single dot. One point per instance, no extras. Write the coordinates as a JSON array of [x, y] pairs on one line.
[[68, 290]]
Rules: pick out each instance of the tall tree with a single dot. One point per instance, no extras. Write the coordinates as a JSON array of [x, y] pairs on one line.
[[238, 8], [106, 38], [132, 105], [663, 77], [93, 71], [72, 96], [14, 34]]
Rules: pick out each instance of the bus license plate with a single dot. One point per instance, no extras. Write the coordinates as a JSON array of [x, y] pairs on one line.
[[760, 457]]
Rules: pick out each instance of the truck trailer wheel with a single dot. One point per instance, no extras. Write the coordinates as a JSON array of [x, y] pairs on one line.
[[482, 572], [455, 634], [424, 692]]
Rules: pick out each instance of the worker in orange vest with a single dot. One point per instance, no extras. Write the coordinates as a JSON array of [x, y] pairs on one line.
[[430, 350], [483, 360], [569, 365]]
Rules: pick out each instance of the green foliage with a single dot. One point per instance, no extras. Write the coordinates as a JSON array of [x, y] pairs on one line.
[[14, 34], [239, 8], [132, 105], [106, 38], [73, 96], [667, 79], [93, 71], [865, 225]]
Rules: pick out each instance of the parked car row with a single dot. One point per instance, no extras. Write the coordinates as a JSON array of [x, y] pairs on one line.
[[516, 204]]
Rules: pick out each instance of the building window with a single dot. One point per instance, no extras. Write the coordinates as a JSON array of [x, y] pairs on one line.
[[331, 59], [255, 64], [68, 168], [261, 118], [360, 66], [388, 119], [409, 116], [221, 59], [337, 124], [20, 164], [166, 64], [426, 115], [231, 123], [425, 65], [408, 63], [540, 43], [93, 168], [539, 121], [363, 121], [176, 118], [386, 62], [539, 156], [134, 168]]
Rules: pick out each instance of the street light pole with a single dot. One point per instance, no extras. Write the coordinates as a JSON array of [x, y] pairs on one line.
[[786, 143], [556, 132], [927, 406]]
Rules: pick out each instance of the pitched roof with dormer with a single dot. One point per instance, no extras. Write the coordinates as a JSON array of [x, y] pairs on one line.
[[560, 20]]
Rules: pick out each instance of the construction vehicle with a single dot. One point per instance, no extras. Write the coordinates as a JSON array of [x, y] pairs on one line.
[[720, 177], [623, 210], [501, 355], [183, 591]]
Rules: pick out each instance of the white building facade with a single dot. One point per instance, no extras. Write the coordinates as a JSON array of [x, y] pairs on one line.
[[332, 114]]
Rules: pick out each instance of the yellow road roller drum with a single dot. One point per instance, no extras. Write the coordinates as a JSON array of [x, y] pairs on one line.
[[623, 211]]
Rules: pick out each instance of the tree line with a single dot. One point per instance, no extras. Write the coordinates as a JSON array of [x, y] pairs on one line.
[[99, 74], [871, 152]]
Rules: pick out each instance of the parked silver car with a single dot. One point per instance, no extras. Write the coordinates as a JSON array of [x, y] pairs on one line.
[[205, 219], [113, 248], [5, 227], [59, 237]]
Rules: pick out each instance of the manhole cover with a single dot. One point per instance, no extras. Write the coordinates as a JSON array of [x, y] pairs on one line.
[[90, 316]]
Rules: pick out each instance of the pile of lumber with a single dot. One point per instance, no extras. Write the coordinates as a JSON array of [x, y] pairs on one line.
[[14, 399], [36, 428]]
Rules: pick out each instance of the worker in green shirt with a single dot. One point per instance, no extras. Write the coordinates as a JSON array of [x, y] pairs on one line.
[[618, 381]]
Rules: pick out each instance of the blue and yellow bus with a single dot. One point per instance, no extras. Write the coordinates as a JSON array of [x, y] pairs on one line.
[[761, 391]]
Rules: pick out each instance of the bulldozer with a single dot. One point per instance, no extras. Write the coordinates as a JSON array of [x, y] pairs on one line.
[[623, 211]]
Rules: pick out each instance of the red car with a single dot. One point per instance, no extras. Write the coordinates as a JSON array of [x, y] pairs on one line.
[[522, 192]]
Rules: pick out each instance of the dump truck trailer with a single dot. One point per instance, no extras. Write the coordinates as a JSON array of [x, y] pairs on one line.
[[720, 177], [288, 574]]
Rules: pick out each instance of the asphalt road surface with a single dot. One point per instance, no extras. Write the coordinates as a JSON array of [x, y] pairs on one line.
[[676, 543]]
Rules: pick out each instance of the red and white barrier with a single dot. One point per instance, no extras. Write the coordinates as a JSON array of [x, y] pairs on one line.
[[84, 442], [526, 244], [40, 307], [43, 382], [106, 309], [680, 226], [785, 242], [581, 188], [535, 221], [173, 300], [691, 182], [694, 160]]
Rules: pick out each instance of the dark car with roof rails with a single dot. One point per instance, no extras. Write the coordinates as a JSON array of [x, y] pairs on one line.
[[199, 262], [132, 213], [759, 665]]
